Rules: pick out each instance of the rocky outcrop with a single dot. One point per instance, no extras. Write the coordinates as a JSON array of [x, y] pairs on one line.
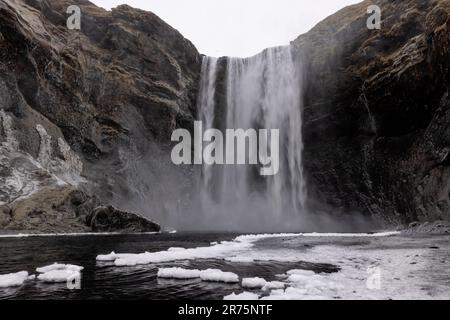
[[68, 210], [109, 219], [49, 210], [90, 109], [427, 228], [377, 111], [43, 194]]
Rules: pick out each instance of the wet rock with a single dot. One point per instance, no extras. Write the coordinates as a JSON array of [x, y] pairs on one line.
[[437, 227], [110, 219]]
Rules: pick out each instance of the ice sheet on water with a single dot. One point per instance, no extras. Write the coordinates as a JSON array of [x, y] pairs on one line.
[[352, 235], [292, 293], [13, 279], [57, 276], [178, 273], [242, 296], [59, 273], [228, 250], [220, 250], [216, 275], [253, 283], [301, 272], [213, 275], [175, 249], [398, 276], [348, 283], [58, 266], [274, 285]]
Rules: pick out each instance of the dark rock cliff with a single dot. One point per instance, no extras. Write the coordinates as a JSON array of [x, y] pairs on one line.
[[93, 108], [91, 111], [377, 111]]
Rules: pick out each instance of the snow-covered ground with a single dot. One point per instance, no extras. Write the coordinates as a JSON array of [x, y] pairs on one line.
[[377, 268]]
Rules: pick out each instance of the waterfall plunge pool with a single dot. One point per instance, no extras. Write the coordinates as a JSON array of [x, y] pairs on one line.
[[314, 266]]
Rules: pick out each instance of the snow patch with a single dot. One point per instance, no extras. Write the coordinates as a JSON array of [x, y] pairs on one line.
[[45, 147], [68, 167], [10, 142], [71, 168]]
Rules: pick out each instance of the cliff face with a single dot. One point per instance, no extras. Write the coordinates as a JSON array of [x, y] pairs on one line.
[[377, 111], [93, 108], [91, 111]]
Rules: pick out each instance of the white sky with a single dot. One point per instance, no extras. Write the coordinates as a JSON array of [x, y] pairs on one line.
[[237, 27]]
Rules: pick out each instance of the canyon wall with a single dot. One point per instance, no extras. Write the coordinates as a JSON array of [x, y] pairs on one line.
[[111, 93], [91, 111], [377, 111]]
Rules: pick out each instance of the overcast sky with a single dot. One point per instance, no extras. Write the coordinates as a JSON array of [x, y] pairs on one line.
[[237, 27]]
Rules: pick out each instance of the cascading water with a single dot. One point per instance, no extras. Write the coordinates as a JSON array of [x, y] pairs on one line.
[[206, 108], [262, 92]]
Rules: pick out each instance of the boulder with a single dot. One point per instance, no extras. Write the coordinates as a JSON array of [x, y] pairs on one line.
[[110, 219]]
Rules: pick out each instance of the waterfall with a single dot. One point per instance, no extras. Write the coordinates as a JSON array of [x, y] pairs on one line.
[[206, 108], [261, 92]]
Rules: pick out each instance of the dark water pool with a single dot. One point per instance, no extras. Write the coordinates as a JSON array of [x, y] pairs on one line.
[[103, 281]]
